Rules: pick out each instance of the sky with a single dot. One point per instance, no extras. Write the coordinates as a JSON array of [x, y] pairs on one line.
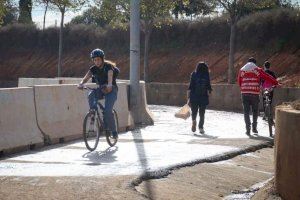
[[53, 17]]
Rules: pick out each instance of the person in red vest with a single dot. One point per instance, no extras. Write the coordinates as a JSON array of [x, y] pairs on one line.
[[249, 79]]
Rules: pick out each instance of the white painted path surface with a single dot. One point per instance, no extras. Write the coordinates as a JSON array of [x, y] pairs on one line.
[[169, 142]]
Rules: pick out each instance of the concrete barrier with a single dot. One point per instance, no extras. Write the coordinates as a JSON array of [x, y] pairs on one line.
[[29, 82], [287, 152], [285, 95], [145, 118], [61, 110], [55, 112], [121, 106], [224, 96], [18, 128], [145, 115], [166, 93], [8, 83]]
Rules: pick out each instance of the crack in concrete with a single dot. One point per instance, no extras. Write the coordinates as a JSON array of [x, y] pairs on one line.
[[165, 172]]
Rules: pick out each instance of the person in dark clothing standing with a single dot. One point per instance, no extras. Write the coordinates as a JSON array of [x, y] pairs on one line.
[[267, 84], [198, 94], [267, 66]]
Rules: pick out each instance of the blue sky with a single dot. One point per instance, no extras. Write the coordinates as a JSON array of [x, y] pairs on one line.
[[52, 17]]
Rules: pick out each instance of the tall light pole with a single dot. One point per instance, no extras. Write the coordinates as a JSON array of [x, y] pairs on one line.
[[135, 59]]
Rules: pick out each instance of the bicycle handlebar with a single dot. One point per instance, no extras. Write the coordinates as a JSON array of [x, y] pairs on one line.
[[270, 89], [88, 88]]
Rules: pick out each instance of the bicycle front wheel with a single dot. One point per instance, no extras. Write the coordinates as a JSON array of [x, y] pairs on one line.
[[108, 134], [91, 131]]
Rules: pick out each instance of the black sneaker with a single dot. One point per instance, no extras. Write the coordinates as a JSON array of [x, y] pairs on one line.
[[254, 130], [248, 132], [194, 126]]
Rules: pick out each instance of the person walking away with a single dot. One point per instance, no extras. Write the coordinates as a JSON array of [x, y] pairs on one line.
[[249, 78], [267, 84], [104, 73], [198, 90]]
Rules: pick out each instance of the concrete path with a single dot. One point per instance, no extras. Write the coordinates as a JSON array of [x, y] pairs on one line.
[[237, 179], [168, 143]]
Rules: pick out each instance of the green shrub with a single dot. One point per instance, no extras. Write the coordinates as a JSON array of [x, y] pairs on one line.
[[273, 29]]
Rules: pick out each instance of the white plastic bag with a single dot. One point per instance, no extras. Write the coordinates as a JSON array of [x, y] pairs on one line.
[[184, 112]]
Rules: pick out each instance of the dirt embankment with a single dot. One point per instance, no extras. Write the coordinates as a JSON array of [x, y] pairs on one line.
[[169, 65]]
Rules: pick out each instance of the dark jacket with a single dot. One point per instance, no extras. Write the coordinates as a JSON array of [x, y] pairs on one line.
[[271, 73], [199, 88], [100, 75]]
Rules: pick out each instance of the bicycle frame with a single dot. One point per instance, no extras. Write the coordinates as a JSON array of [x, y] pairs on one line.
[[99, 106], [267, 95], [268, 108]]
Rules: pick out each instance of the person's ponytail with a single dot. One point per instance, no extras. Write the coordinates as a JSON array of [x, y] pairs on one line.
[[113, 64]]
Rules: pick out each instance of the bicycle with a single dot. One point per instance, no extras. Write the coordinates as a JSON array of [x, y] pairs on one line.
[[268, 109], [94, 126]]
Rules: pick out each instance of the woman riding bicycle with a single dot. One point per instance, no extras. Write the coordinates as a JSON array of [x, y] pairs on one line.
[[104, 73]]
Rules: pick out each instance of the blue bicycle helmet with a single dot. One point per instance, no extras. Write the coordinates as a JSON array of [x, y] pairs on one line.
[[97, 53]]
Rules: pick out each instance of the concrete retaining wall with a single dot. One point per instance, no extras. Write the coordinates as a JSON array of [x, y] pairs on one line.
[[224, 97], [29, 82], [145, 115], [18, 126], [34, 114], [8, 84], [287, 152], [122, 107], [60, 110], [166, 93]]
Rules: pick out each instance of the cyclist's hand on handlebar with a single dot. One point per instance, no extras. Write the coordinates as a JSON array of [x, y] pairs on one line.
[[80, 86], [107, 89], [279, 85]]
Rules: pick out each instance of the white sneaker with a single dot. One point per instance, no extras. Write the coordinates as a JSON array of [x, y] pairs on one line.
[[201, 130]]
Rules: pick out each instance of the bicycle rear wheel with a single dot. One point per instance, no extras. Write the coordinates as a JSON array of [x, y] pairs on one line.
[[108, 134], [91, 131], [270, 119]]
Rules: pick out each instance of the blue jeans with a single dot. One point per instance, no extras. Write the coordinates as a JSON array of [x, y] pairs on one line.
[[110, 100]]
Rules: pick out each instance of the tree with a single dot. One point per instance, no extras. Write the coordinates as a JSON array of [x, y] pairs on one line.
[[46, 8], [25, 7], [63, 6], [97, 16], [152, 13], [114, 12], [11, 14], [237, 9], [3, 8], [48, 5], [91, 16], [193, 7]]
